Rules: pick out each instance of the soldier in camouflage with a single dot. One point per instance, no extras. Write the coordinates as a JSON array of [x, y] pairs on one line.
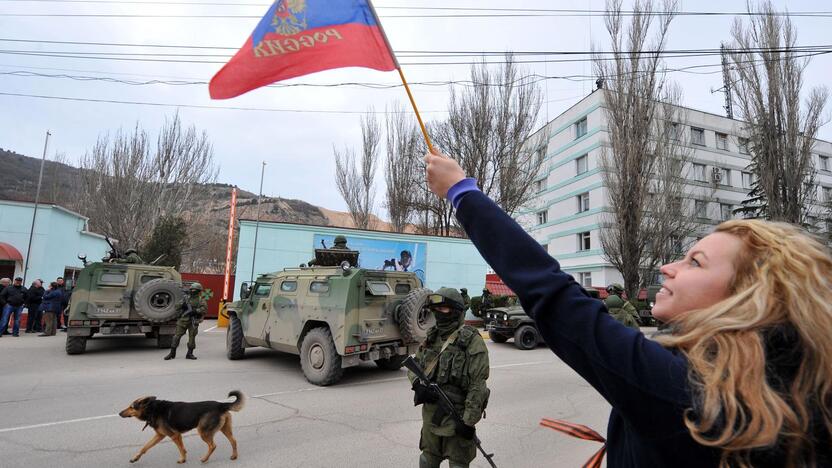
[[194, 309], [339, 243], [620, 309], [131, 256], [455, 357], [466, 299]]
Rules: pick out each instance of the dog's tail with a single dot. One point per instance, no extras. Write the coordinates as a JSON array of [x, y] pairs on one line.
[[238, 403]]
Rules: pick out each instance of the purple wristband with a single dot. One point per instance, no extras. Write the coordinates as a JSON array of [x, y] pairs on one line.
[[460, 188]]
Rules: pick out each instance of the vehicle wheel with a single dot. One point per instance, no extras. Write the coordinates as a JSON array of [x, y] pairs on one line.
[[164, 341], [392, 363], [525, 337], [497, 338], [158, 300], [319, 360], [76, 344], [414, 318], [234, 347]]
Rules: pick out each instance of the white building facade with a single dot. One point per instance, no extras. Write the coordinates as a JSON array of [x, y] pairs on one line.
[[570, 203]]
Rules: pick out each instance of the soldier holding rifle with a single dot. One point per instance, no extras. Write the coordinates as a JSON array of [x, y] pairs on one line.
[[448, 376]]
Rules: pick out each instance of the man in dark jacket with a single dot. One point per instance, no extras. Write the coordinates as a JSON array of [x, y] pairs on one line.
[[15, 297], [64, 302], [33, 302]]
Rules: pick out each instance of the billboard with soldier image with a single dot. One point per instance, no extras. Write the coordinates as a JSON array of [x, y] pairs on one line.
[[379, 254]]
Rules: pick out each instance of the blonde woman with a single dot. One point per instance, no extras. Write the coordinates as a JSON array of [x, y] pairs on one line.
[[744, 379]]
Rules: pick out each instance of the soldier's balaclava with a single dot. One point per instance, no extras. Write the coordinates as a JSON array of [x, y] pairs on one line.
[[446, 323]]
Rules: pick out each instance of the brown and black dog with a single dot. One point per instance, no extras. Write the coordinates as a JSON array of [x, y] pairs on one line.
[[174, 418]]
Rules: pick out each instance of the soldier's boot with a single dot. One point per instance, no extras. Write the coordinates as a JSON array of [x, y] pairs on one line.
[[190, 354], [171, 354], [454, 464]]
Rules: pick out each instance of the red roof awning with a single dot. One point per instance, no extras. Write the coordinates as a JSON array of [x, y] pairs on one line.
[[8, 252]]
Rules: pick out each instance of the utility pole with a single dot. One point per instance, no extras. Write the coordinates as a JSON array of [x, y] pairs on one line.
[[257, 225], [726, 83], [35, 212]]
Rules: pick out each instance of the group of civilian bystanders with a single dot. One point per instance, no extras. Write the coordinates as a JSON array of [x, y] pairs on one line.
[[45, 306]]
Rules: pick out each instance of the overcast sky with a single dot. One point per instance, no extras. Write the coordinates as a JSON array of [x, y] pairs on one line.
[[297, 146]]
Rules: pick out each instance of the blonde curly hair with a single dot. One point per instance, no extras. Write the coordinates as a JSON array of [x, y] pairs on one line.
[[782, 283]]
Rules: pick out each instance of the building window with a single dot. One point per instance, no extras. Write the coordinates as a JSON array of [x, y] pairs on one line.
[[583, 202], [824, 162], [743, 144], [747, 180], [827, 193], [724, 176], [540, 185], [677, 244], [581, 164], [584, 242], [701, 209], [580, 128], [675, 132], [699, 172], [726, 211], [542, 217], [585, 279], [722, 141], [697, 136]]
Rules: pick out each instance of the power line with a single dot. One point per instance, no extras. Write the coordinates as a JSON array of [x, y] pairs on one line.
[[450, 53], [498, 11], [88, 56], [196, 106]]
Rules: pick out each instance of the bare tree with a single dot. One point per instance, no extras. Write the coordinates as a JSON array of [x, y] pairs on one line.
[[767, 80], [403, 151], [642, 170], [128, 185], [488, 130], [356, 187]]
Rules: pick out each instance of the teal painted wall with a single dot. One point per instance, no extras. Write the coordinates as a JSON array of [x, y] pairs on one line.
[[450, 262], [58, 239]]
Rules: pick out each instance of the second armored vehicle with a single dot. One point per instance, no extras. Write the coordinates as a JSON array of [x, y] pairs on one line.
[[123, 298], [331, 314]]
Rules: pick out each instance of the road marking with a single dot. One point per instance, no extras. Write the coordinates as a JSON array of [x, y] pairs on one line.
[[206, 331], [285, 392], [56, 423]]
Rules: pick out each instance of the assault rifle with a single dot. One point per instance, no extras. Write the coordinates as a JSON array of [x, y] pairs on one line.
[[445, 402]]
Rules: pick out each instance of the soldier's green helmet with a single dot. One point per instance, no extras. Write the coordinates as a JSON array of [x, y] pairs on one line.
[[340, 240], [195, 287], [615, 288], [448, 297], [130, 251]]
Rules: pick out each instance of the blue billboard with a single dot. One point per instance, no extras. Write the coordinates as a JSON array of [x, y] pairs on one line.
[[378, 254]]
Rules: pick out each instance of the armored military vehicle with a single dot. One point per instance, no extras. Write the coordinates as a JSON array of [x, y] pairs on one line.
[[123, 298], [332, 314]]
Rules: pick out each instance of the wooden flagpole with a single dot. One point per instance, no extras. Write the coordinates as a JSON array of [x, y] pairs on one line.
[[401, 74]]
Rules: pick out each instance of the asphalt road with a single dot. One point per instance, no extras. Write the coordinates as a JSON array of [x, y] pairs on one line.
[[61, 411]]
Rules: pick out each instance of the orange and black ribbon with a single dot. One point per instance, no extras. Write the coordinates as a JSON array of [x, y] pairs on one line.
[[581, 432]]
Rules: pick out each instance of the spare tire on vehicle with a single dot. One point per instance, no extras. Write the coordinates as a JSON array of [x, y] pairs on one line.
[[413, 316], [158, 300]]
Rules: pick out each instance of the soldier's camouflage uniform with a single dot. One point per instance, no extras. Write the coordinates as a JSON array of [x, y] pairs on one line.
[[461, 372], [622, 310], [185, 323], [131, 258]]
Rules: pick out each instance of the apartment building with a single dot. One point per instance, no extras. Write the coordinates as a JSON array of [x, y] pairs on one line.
[[571, 201]]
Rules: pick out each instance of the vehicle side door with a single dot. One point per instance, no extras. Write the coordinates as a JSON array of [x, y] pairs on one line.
[[284, 324]]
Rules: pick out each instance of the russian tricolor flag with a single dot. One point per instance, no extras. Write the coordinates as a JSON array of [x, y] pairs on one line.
[[298, 37]]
